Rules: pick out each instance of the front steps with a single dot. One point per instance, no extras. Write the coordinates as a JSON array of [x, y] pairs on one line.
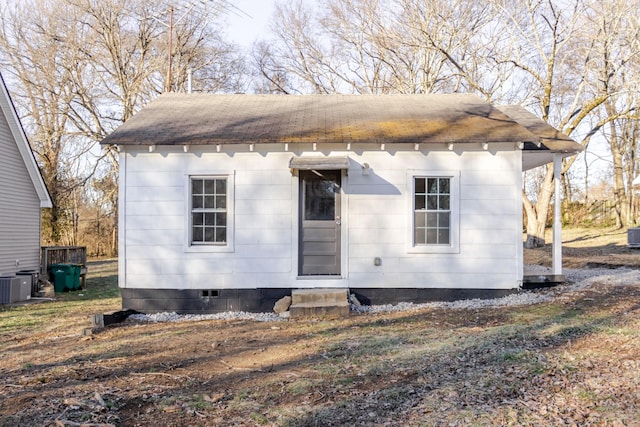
[[328, 303]]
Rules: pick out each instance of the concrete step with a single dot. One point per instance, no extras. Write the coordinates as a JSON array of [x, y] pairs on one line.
[[331, 295], [327, 303], [332, 311]]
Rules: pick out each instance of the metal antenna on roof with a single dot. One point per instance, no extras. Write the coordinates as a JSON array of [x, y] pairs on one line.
[[170, 49], [187, 7]]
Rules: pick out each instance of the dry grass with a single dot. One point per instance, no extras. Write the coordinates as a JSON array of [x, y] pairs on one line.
[[69, 312], [588, 248], [572, 361]]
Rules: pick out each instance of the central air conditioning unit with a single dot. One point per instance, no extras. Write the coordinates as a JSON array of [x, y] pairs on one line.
[[9, 289], [633, 237], [14, 289]]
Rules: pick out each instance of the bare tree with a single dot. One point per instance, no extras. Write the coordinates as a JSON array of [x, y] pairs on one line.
[[618, 76], [383, 46], [559, 51], [302, 50], [271, 77], [574, 63], [199, 47], [539, 33], [47, 71], [376, 46], [460, 40], [80, 68]]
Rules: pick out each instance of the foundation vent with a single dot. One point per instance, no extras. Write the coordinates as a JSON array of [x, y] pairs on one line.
[[210, 293]]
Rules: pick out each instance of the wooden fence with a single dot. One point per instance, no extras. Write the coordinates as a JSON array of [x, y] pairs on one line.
[[63, 255]]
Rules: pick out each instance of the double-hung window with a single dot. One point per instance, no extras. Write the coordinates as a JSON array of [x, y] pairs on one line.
[[434, 212], [209, 211]]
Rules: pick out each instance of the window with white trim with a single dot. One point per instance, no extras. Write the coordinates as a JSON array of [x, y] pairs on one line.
[[209, 210], [432, 211]]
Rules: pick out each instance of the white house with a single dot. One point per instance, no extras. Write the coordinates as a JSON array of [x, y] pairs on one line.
[[228, 202], [22, 194]]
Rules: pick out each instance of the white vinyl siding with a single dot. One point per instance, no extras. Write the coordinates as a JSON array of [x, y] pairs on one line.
[[485, 250]]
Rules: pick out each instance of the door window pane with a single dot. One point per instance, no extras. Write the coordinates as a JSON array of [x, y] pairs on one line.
[[320, 199]]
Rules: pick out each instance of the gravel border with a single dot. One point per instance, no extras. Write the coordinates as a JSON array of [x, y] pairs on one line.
[[577, 280]]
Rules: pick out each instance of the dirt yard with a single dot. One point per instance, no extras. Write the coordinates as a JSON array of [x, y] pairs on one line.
[[572, 361]]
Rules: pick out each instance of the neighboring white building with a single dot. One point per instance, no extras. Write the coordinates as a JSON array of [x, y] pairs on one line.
[[227, 202], [22, 194]]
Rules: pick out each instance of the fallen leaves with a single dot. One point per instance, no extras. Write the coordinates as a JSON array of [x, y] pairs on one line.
[[569, 362]]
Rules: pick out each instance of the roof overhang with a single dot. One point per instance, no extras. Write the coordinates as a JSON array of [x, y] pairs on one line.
[[552, 141], [534, 156]]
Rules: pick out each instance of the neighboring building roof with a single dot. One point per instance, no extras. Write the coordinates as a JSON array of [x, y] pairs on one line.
[[17, 131], [197, 119], [552, 140]]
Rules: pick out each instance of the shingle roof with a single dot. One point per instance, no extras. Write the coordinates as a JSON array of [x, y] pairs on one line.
[[552, 138], [552, 141], [197, 119]]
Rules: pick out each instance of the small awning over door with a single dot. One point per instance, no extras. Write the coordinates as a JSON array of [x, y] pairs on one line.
[[319, 163]]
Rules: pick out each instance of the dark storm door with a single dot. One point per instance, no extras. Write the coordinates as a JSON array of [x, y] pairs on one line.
[[319, 246]]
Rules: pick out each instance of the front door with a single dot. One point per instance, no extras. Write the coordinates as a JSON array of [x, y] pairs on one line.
[[319, 246]]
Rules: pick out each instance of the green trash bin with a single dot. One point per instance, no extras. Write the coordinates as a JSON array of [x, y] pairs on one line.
[[75, 277], [75, 280], [77, 268], [64, 277]]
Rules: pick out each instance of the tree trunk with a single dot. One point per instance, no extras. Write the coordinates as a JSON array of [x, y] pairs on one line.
[[621, 208], [533, 240], [537, 215]]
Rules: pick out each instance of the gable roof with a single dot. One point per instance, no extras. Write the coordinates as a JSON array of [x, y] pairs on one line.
[[17, 131], [200, 119]]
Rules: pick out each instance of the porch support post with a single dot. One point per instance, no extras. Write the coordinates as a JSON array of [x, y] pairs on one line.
[[557, 219]]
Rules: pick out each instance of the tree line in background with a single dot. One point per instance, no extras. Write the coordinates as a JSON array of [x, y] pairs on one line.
[[79, 68]]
